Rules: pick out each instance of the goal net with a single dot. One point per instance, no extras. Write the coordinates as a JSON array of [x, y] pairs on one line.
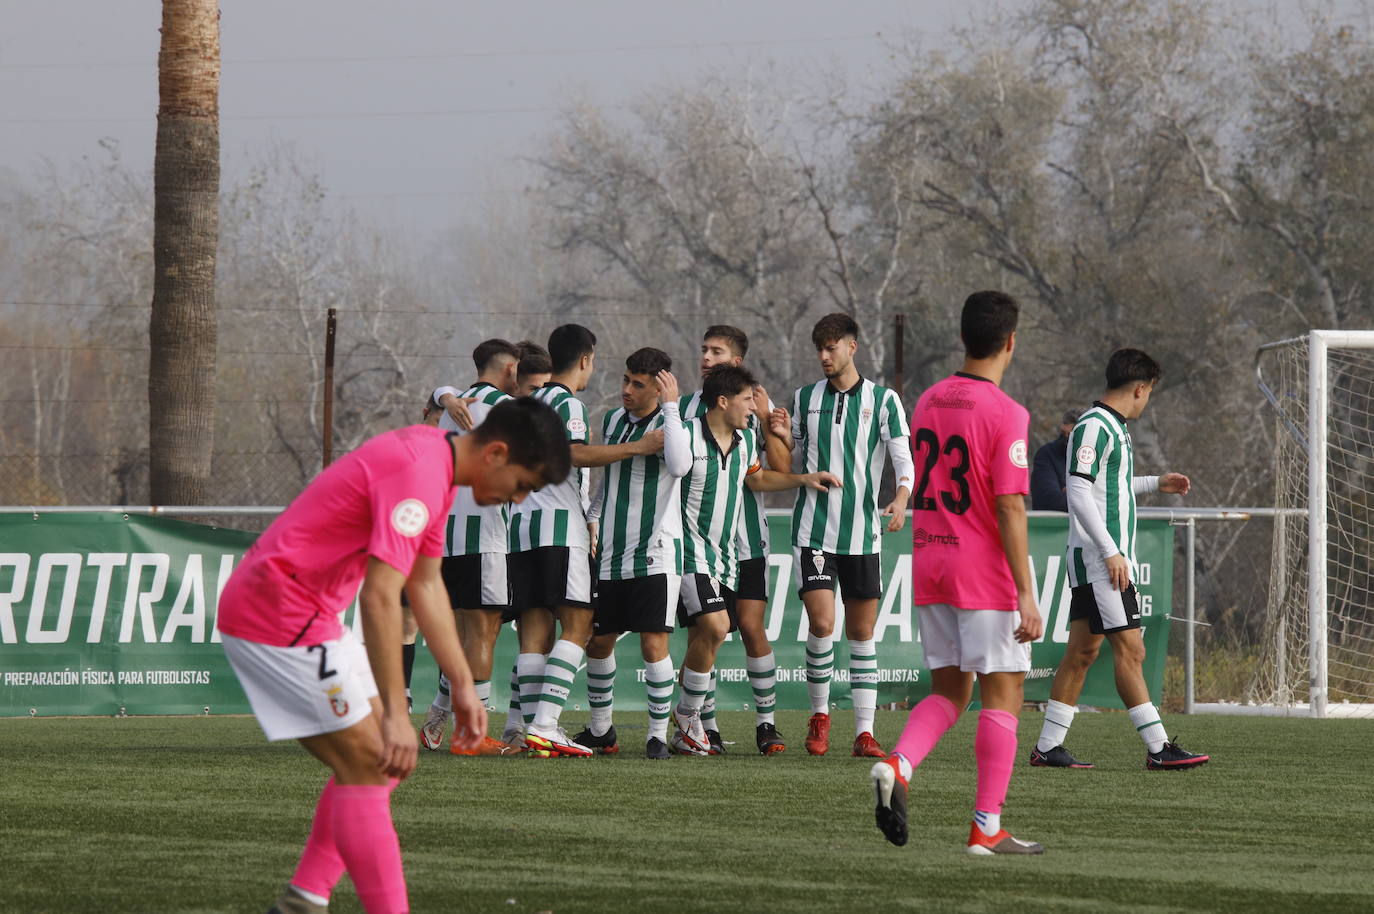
[[1318, 633]]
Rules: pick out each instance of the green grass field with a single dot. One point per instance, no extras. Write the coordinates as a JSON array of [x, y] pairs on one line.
[[201, 815]]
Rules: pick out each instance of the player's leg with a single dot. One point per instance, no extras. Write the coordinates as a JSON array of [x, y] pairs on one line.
[[704, 608], [410, 630], [817, 591], [861, 582], [600, 734], [658, 684], [751, 606], [1079, 654], [566, 572]]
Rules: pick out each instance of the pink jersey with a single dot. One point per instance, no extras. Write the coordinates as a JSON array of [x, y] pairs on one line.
[[969, 440], [387, 499]]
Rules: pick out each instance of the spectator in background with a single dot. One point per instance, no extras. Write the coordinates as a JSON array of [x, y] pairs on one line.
[[1048, 485]]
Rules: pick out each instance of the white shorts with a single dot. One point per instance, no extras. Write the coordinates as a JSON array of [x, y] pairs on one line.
[[974, 640], [297, 692]]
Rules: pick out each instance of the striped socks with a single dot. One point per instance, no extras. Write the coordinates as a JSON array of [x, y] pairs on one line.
[[763, 679], [708, 707], [820, 664], [658, 682], [515, 721], [443, 700], [601, 692], [529, 669], [483, 689], [560, 669], [863, 684], [694, 688]]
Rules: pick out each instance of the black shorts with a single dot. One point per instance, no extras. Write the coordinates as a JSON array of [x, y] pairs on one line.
[[859, 576], [753, 579], [1106, 609], [702, 594], [478, 581], [645, 604], [550, 577]]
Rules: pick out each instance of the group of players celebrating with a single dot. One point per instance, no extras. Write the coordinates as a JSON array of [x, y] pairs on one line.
[[493, 515]]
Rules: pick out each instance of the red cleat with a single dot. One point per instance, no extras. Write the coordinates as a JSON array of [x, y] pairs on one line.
[[865, 746], [818, 734]]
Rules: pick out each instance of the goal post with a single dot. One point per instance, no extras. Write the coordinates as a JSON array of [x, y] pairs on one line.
[[1320, 613]]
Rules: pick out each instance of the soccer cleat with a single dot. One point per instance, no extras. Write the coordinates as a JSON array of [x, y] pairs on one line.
[[682, 746], [769, 739], [818, 734], [432, 730], [693, 733], [488, 746], [515, 738], [717, 744], [865, 746], [889, 794], [1173, 757], [605, 744], [980, 845], [289, 902], [555, 743], [656, 749], [1058, 757]]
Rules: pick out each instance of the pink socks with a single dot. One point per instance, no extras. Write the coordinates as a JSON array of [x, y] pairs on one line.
[[995, 748], [929, 720], [320, 866], [353, 830]]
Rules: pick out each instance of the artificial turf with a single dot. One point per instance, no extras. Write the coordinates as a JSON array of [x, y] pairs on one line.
[[201, 815]]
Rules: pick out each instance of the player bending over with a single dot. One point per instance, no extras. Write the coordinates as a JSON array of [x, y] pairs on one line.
[[1102, 566], [725, 466], [374, 519], [971, 574]]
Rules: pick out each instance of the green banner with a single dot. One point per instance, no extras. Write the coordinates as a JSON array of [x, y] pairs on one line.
[[107, 614]]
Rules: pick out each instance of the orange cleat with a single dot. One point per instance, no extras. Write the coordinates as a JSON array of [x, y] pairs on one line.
[[865, 746], [980, 845], [488, 746], [818, 734]]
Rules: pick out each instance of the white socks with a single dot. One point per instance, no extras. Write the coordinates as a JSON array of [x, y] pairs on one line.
[[658, 682], [763, 679], [694, 688], [1147, 723], [560, 669], [820, 664], [601, 692], [1058, 719], [443, 699], [863, 684]]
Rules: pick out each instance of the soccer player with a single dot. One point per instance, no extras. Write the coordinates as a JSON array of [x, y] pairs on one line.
[[970, 573], [726, 345], [475, 548], [1102, 565], [535, 368], [550, 560], [373, 519], [725, 465], [842, 425], [638, 548]]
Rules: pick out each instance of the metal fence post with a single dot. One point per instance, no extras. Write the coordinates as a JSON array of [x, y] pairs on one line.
[[1189, 658]]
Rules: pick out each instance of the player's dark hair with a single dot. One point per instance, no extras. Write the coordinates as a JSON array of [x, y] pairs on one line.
[[431, 404], [569, 343], [649, 361], [534, 359], [724, 381], [739, 342], [987, 322], [534, 434], [1131, 366], [832, 328], [488, 350]]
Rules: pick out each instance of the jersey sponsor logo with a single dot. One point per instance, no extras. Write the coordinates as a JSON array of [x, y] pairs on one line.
[[923, 538], [409, 517], [1018, 453], [1086, 455], [577, 427], [954, 398]]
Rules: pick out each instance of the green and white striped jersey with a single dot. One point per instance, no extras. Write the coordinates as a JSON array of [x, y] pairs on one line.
[[473, 528], [1101, 452], [845, 433], [640, 532], [556, 515], [753, 524], [712, 499]]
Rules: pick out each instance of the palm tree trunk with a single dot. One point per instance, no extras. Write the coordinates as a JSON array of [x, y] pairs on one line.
[[182, 332]]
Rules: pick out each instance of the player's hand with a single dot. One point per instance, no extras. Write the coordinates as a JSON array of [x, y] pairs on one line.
[[651, 443], [821, 482], [469, 717], [667, 385], [400, 748], [761, 405], [1031, 625], [1120, 572], [457, 409], [592, 527], [895, 514], [780, 424], [1175, 484]]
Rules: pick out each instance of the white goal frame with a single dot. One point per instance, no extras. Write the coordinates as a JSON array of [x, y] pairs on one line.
[[1319, 342]]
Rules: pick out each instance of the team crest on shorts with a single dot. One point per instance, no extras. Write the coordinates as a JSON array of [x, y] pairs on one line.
[[818, 559], [337, 702]]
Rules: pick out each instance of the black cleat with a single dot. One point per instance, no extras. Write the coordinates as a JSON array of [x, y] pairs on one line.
[[605, 744], [1173, 758], [717, 744], [1058, 757], [769, 739], [656, 749], [889, 792]]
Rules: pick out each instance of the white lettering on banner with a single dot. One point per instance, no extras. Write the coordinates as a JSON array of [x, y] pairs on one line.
[[896, 608], [1144, 573], [19, 561], [105, 562], [71, 561], [777, 607], [226, 568], [193, 591], [1056, 616], [136, 599]]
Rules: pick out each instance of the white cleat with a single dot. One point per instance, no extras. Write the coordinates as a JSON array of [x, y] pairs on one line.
[[691, 732], [555, 743], [681, 746], [432, 730]]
